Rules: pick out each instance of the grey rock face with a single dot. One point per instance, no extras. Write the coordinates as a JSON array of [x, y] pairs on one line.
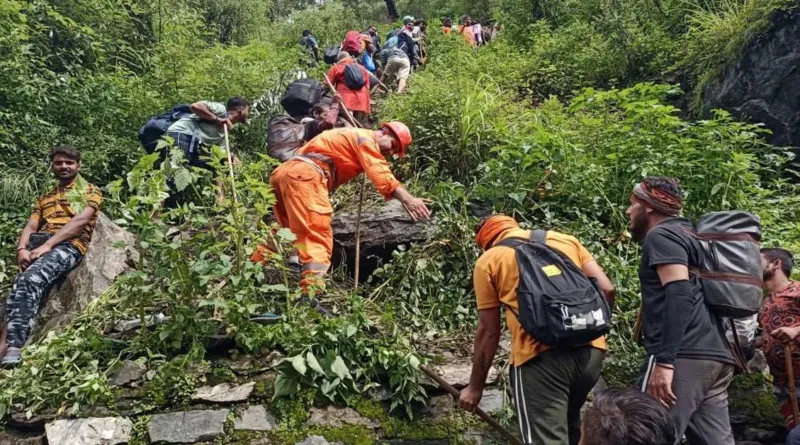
[[388, 225], [128, 373], [763, 84], [187, 426], [92, 431]]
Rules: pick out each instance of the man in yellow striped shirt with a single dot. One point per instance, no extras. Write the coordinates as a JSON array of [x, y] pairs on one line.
[[52, 243]]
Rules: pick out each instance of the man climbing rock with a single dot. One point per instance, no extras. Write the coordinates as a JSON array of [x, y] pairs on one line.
[[52, 243], [689, 363], [550, 384], [335, 157]]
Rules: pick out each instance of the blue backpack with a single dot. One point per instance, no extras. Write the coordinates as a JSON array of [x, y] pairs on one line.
[[368, 63], [152, 131]]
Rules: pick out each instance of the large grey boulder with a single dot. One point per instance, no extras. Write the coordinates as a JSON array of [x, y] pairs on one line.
[[187, 426], [763, 85], [102, 264], [388, 225], [382, 230], [93, 431]]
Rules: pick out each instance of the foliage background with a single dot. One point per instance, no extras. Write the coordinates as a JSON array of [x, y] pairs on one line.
[[554, 122]]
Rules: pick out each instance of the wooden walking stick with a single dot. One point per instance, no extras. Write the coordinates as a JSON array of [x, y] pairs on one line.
[[230, 163], [363, 187], [787, 351], [479, 412]]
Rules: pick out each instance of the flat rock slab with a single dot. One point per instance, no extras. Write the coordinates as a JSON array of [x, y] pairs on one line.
[[316, 440], [255, 418], [187, 426], [92, 431], [457, 374], [128, 373], [332, 417], [224, 393], [492, 400]]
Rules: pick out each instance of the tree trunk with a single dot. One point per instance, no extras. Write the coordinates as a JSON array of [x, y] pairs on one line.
[[392, 9]]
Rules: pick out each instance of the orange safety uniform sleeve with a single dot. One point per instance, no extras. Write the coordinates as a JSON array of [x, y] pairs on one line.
[[375, 166], [303, 206]]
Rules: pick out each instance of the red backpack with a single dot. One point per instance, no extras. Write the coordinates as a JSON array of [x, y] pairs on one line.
[[352, 42]]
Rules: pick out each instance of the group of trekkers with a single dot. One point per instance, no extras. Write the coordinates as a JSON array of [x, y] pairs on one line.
[[473, 33], [556, 296]]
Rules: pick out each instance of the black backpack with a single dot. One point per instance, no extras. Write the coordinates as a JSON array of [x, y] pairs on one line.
[[558, 304], [301, 95], [730, 271], [354, 77], [331, 54], [156, 126]]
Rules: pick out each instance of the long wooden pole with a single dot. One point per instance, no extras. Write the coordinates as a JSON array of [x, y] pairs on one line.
[[479, 412], [363, 187], [230, 163], [787, 351]]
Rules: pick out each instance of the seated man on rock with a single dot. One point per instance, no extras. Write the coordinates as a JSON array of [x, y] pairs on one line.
[[52, 243]]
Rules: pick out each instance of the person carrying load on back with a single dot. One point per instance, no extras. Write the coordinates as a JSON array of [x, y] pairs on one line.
[[309, 42], [556, 357], [355, 43], [351, 81], [53, 242], [205, 126], [690, 363], [303, 183]]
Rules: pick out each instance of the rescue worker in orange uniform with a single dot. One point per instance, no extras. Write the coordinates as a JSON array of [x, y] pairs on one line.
[[333, 158]]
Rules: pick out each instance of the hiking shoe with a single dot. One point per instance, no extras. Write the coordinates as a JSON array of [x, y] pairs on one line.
[[11, 359], [267, 318]]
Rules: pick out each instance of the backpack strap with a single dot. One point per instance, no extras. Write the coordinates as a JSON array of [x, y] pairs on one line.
[[511, 242], [539, 236]]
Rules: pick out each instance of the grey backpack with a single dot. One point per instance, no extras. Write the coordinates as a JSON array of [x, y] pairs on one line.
[[730, 269]]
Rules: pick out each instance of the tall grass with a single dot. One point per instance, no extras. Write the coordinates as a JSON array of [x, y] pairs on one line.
[[719, 31], [18, 187]]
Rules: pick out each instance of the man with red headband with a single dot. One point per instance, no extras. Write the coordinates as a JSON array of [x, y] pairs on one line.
[[550, 384], [333, 158], [689, 362]]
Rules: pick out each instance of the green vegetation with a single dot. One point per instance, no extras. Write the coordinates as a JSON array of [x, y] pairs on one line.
[[554, 123]]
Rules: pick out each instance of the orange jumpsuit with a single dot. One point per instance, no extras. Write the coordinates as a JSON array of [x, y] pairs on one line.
[[301, 186]]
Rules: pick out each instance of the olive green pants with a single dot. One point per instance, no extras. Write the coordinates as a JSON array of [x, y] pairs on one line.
[[550, 390]]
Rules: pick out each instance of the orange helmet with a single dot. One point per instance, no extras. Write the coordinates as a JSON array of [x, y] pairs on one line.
[[401, 132]]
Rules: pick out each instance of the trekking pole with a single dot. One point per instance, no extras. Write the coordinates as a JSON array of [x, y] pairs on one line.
[[363, 187], [479, 412], [787, 351], [230, 163]]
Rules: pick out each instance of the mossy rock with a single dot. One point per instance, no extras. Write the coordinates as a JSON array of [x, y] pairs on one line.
[[751, 398]]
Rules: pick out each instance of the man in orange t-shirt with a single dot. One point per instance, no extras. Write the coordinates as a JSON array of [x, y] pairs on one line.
[[550, 385]]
